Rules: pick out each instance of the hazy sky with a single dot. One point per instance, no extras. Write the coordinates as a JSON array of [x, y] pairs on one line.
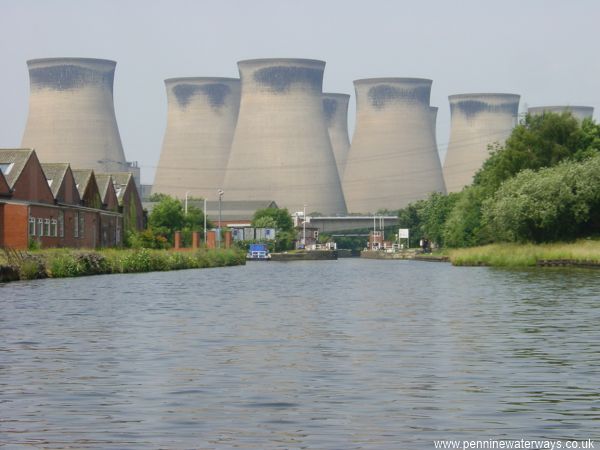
[[544, 50]]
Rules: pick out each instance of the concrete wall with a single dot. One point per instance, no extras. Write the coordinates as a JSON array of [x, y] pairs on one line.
[[335, 107], [579, 112], [393, 158], [477, 120], [281, 148], [71, 113], [202, 113]]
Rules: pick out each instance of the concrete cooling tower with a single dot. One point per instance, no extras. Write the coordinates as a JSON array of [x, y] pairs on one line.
[[579, 112], [202, 113], [393, 158], [72, 115], [477, 120], [281, 149], [336, 118]]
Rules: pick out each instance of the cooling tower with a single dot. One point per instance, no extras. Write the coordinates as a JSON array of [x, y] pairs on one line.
[[579, 112], [202, 113], [71, 113], [477, 120], [335, 107], [281, 149], [393, 158]]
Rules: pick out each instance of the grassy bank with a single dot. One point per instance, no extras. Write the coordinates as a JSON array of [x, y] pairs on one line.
[[60, 263], [526, 255]]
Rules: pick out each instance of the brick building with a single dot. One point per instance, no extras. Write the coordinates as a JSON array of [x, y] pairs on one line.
[[53, 205]]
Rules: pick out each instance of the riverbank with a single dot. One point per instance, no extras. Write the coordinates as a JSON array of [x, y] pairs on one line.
[[61, 263], [582, 253]]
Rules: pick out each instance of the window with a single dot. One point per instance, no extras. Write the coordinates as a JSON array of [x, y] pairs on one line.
[[61, 223], [47, 231], [40, 227], [81, 224], [53, 228], [32, 226], [76, 225]]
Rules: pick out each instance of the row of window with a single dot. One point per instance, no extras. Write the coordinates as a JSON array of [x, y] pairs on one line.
[[56, 227]]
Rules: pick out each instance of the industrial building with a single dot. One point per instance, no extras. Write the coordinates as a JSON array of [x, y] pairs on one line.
[[71, 113], [281, 148], [579, 112], [202, 113], [393, 158], [477, 121], [335, 107]]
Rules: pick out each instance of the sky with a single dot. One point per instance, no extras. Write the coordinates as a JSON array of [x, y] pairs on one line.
[[544, 50]]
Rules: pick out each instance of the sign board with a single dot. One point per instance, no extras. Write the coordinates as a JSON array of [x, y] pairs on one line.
[[403, 233]]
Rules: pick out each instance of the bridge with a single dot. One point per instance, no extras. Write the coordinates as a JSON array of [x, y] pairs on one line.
[[335, 224]]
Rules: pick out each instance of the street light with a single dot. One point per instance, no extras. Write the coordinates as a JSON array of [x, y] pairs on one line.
[[304, 228], [220, 192], [204, 222], [186, 199]]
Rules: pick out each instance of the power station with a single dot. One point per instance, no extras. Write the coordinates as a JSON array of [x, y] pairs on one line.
[[579, 112], [393, 158], [336, 117], [72, 115], [202, 113], [281, 149], [477, 121]]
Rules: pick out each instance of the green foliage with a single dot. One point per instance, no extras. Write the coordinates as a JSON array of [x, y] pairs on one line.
[[148, 238], [32, 268], [540, 141], [281, 217], [463, 226], [562, 202], [168, 216], [284, 240], [264, 222], [34, 244]]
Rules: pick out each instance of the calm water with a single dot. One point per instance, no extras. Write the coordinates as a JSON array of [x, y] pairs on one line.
[[330, 354]]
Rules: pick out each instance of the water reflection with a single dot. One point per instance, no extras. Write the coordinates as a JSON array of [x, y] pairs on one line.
[[346, 354]]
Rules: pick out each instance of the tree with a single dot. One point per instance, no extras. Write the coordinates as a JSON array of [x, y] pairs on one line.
[[168, 216], [281, 217], [557, 203]]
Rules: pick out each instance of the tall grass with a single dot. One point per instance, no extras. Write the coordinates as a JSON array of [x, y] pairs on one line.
[[524, 255], [61, 263]]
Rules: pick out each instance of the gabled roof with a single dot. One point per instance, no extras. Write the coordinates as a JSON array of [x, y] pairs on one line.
[[4, 188], [55, 174], [103, 180], [82, 178], [120, 182], [12, 162]]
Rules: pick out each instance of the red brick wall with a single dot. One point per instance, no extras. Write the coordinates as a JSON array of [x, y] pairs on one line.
[[15, 222]]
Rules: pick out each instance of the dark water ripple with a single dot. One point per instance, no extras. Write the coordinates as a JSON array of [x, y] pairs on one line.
[[348, 354]]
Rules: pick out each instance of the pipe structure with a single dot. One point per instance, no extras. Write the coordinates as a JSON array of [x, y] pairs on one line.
[[72, 115], [201, 118], [281, 149], [393, 158], [335, 107], [477, 121], [579, 112]]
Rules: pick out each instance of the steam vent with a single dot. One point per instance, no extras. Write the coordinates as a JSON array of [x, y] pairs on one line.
[[72, 115], [393, 159], [336, 117], [202, 113], [477, 120], [281, 149], [579, 112]]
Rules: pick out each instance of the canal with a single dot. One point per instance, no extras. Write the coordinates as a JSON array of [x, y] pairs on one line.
[[341, 354]]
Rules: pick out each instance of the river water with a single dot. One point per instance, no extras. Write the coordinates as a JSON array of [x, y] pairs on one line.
[[341, 354]]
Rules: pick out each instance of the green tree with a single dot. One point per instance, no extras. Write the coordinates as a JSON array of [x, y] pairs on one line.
[[281, 217], [557, 203], [168, 216]]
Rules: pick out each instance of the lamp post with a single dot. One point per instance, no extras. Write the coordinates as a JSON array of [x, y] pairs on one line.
[[220, 192], [304, 228], [204, 222], [186, 202]]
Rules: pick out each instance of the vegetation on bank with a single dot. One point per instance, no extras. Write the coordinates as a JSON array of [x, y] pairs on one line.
[[526, 255], [542, 186], [61, 263]]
